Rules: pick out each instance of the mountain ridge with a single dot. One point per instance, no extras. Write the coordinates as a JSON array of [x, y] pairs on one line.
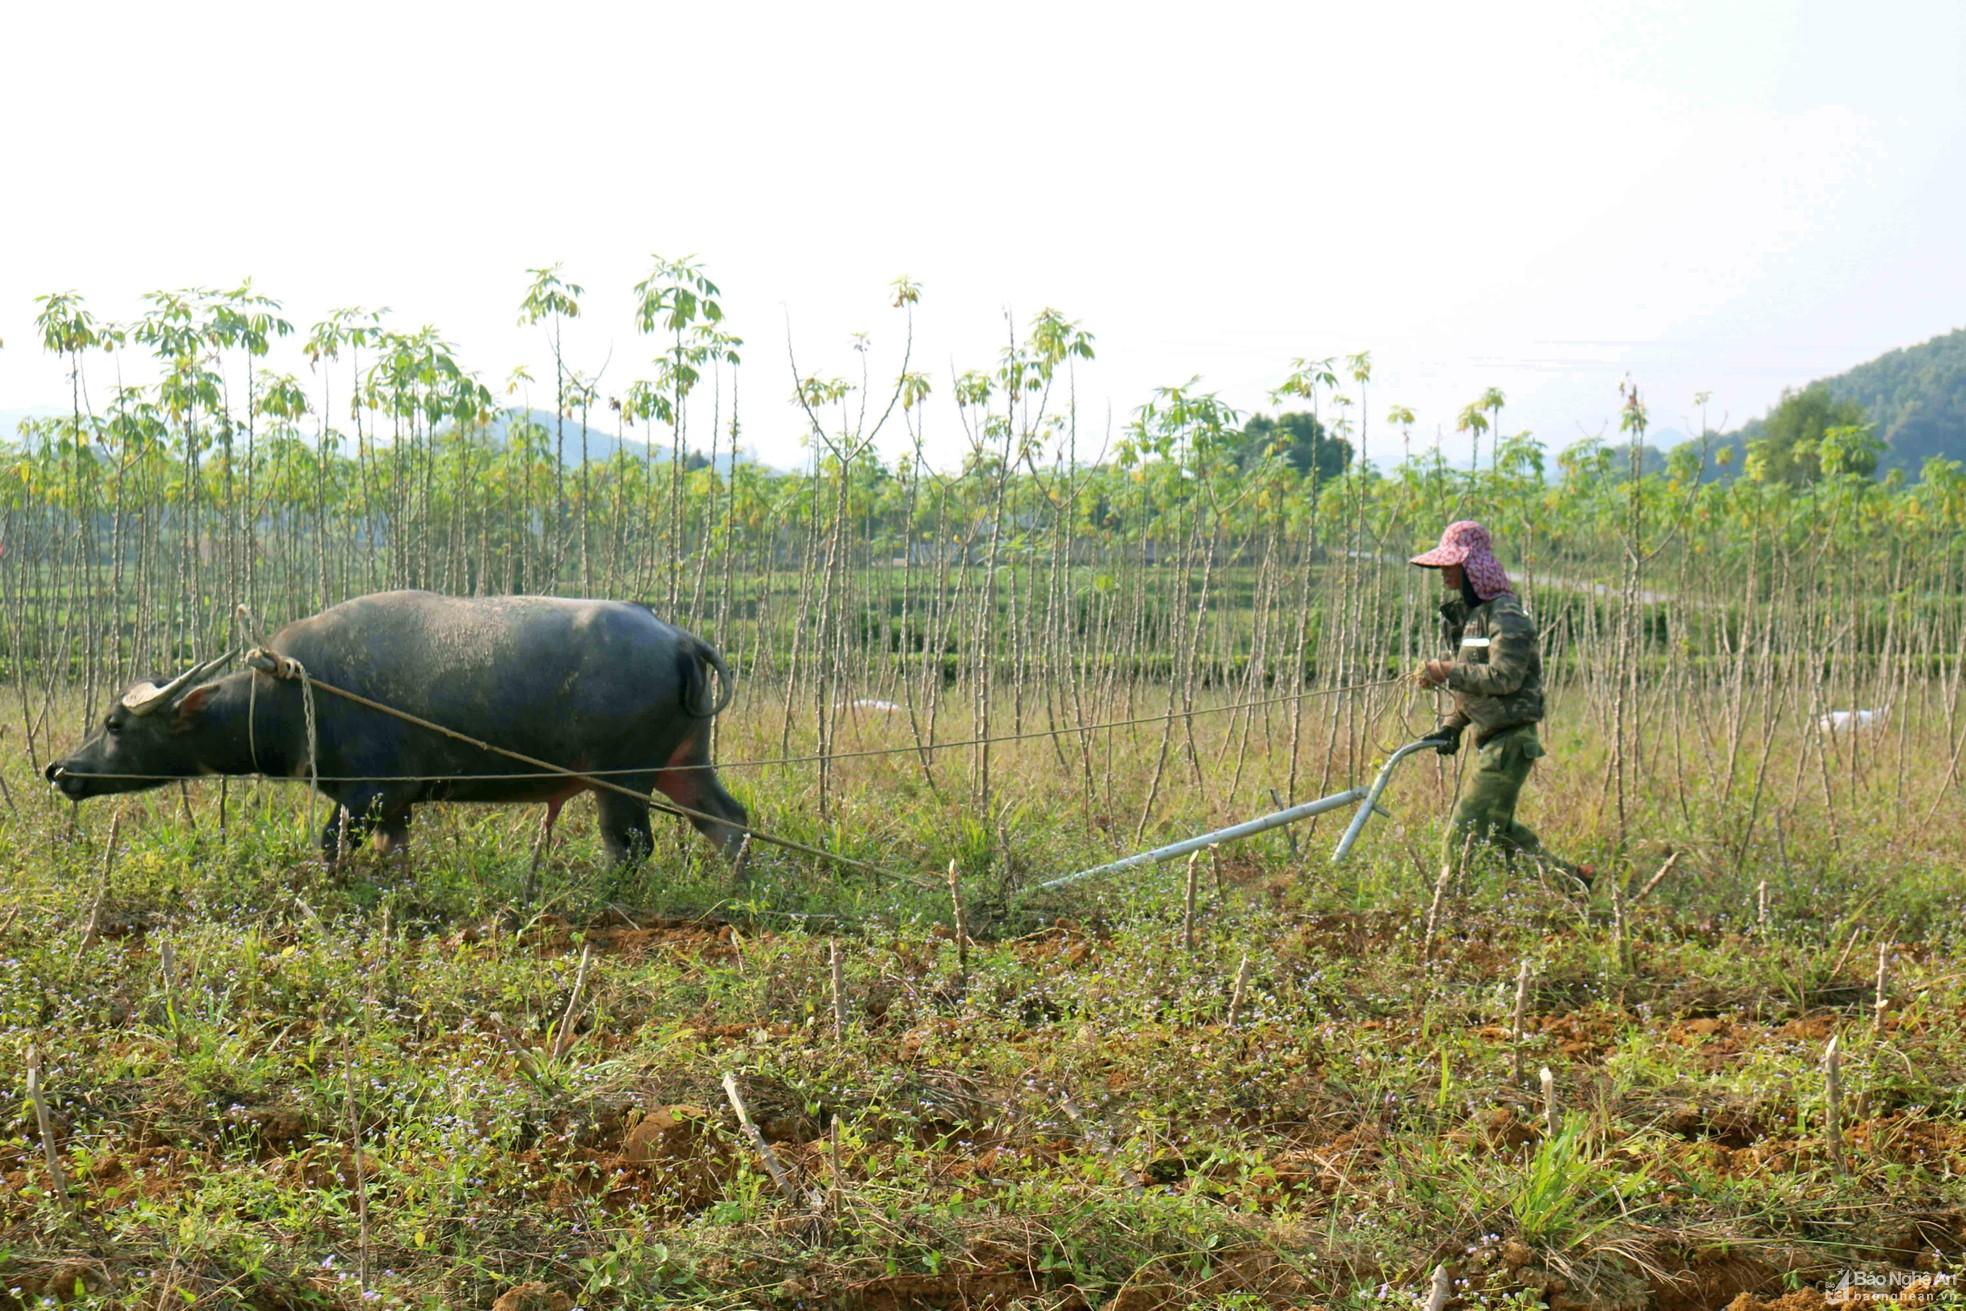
[[1913, 396], [602, 443]]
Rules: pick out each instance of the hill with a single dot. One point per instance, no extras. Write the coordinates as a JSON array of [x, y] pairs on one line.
[[11, 420], [601, 443], [1915, 396]]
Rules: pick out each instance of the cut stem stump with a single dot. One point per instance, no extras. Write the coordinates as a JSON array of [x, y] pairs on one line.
[[1655, 880], [962, 923], [1883, 983], [756, 1137], [837, 969], [1442, 1291], [92, 927], [57, 1178], [1433, 911], [1188, 907], [1618, 922], [1516, 1024], [1236, 992], [167, 971], [1848, 947], [355, 1160], [563, 1039], [1833, 1103]]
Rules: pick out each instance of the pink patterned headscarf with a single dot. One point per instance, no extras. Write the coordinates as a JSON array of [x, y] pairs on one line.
[[1466, 543]]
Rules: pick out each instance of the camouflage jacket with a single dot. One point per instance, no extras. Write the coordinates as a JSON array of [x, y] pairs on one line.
[[1497, 675]]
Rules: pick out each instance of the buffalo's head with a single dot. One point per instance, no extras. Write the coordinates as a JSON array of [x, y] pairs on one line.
[[144, 740]]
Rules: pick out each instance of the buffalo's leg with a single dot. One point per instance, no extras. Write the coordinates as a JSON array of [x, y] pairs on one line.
[[392, 834], [346, 830], [358, 815], [625, 828], [540, 844], [715, 812], [736, 826]]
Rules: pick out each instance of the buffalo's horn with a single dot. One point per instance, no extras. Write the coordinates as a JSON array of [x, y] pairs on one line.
[[146, 697]]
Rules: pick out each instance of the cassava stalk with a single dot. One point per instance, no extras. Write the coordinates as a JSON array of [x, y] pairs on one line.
[[1237, 990], [57, 1178]]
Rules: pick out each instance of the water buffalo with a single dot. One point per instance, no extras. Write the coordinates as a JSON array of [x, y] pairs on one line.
[[599, 686]]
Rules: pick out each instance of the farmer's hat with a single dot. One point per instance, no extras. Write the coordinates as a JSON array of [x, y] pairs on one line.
[[1466, 543]]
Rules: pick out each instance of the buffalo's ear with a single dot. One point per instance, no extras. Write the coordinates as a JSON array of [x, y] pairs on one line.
[[192, 704]]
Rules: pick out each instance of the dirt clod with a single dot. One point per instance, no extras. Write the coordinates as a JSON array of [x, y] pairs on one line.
[[67, 1281], [1807, 1299], [675, 1147], [535, 1296], [1715, 1280]]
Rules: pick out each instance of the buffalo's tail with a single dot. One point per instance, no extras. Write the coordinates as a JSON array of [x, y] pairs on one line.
[[696, 676]]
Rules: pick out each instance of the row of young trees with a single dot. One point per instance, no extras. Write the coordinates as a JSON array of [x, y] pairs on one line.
[[1050, 580]]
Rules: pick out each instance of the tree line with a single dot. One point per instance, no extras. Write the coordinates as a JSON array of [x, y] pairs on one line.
[[1051, 577]]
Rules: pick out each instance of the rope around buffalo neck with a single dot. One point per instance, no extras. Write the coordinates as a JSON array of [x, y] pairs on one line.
[[252, 717], [313, 745], [290, 669]]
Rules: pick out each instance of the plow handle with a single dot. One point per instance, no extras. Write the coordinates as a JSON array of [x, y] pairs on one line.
[[1371, 802]]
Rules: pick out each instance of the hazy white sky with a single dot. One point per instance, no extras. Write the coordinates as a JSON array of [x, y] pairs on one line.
[[1710, 196]]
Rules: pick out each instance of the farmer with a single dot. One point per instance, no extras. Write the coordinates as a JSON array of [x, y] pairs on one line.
[[1496, 678]]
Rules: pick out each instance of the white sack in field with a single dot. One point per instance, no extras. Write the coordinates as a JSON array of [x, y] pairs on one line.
[[1841, 719]]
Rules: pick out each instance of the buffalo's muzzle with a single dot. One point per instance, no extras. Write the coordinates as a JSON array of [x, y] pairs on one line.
[[71, 786]]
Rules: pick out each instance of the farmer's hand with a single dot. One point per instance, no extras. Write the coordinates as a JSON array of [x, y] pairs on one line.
[[1447, 738], [1433, 673]]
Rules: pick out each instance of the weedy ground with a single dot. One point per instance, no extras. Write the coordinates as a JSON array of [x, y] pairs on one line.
[[242, 1054]]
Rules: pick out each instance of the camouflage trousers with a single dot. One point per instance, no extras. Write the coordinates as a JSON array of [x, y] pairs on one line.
[[1484, 819]]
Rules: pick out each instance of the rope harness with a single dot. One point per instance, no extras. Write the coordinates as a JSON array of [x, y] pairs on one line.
[[291, 670]]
